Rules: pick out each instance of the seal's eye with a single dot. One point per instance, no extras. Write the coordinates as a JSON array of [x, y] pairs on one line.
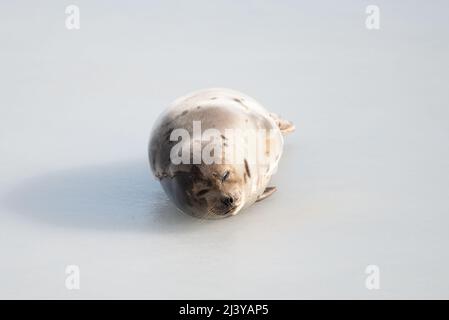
[[225, 176], [202, 192]]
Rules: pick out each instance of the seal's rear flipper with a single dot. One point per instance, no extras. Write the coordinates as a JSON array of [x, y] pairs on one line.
[[268, 192], [284, 125]]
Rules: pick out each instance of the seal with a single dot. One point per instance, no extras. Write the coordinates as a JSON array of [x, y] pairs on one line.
[[199, 151]]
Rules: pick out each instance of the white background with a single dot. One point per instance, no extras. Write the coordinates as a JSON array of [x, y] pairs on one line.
[[364, 179]]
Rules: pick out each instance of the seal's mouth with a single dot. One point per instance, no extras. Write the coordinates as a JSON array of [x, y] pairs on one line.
[[222, 211], [229, 211]]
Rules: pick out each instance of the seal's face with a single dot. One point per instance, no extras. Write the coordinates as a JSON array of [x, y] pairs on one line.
[[216, 191], [207, 191]]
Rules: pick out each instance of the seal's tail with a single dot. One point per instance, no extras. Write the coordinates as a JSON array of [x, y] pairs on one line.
[[285, 126]]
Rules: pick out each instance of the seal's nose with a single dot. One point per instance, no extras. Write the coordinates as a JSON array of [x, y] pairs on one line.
[[227, 201]]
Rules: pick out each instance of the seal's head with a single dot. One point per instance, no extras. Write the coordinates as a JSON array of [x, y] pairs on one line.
[[207, 191]]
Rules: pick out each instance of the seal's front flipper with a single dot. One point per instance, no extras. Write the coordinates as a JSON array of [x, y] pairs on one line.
[[284, 125], [268, 192]]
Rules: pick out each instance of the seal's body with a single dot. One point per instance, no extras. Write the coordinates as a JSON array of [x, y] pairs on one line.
[[221, 188]]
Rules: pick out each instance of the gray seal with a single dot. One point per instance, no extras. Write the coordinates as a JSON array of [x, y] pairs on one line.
[[224, 187]]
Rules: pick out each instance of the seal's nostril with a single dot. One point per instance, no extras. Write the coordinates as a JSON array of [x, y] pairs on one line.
[[228, 201]]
